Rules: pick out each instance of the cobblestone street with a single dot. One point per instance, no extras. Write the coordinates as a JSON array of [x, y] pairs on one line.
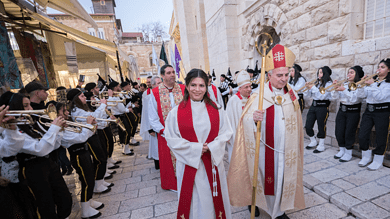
[[332, 190]]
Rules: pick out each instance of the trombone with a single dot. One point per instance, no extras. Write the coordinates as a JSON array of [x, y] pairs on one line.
[[305, 88], [97, 102], [99, 119], [353, 86], [118, 121], [50, 114], [27, 120], [333, 86]]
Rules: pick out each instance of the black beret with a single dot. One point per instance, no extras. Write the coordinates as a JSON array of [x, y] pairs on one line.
[[223, 75], [33, 86], [298, 67], [134, 83], [359, 70], [90, 86], [61, 88], [88, 95], [327, 69], [113, 84], [72, 94], [5, 98], [124, 84]]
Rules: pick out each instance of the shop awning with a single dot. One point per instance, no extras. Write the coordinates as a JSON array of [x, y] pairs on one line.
[[71, 7], [75, 35]]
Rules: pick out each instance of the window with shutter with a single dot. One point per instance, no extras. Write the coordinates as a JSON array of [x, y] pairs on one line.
[[91, 31], [101, 33], [377, 19]]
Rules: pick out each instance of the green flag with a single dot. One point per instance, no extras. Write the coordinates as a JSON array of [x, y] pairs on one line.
[[163, 55]]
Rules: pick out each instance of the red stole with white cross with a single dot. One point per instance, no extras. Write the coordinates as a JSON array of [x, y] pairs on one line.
[[269, 175], [187, 131]]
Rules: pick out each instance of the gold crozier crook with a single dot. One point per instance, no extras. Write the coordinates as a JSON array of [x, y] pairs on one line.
[[266, 41]]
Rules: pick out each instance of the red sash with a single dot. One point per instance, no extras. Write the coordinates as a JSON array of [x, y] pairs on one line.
[[148, 91], [167, 172], [215, 92], [269, 175], [187, 131]]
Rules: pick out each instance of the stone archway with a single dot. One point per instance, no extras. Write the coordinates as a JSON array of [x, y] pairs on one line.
[[269, 15]]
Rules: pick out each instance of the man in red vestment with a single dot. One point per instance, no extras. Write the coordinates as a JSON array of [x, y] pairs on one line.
[[163, 98]]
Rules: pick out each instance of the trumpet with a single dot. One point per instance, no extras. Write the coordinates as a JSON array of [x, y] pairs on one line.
[[27, 120], [353, 86], [50, 114], [97, 119], [333, 86], [104, 94], [97, 102], [118, 121], [305, 88]]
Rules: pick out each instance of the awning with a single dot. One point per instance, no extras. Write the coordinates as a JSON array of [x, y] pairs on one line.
[[76, 35], [71, 7]]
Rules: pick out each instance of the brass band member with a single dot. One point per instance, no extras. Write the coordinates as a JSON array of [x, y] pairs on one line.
[[78, 107], [319, 110], [377, 113], [296, 82], [37, 169], [348, 116]]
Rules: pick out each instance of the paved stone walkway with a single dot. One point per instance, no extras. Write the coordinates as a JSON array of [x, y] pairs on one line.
[[332, 190]]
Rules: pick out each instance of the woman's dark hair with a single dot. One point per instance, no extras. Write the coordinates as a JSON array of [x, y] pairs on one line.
[[297, 74], [198, 73], [89, 95], [16, 103], [387, 63], [326, 72], [77, 103], [359, 73]]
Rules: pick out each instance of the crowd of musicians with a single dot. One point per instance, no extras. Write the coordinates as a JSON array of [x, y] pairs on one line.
[[33, 145]]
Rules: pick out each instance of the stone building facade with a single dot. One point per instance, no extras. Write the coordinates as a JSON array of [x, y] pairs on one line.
[[319, 32]]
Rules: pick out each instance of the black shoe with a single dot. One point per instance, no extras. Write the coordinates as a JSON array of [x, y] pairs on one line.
[[119, 161], [134, 144], [108, 177], [283, 216], [317, 151], [113, 172], [157, 164], [310, 147], [129, 154], [95, 216], [70, 171], [111, 185], [257, 210], [100, 207], [113, 167], [64, 171], [336, 157]]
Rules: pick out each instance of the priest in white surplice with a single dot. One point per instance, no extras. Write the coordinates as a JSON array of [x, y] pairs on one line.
[[146, 131], [214, 92], [280, 173], [236, 104], [196, 132]]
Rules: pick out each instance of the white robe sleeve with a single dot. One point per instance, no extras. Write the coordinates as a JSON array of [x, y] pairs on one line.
[[44, 146], [71, 138], [186, 152], [145, 125], [12, 142], [154, 119]]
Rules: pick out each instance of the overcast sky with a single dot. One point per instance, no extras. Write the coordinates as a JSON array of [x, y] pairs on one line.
[[134, 13]]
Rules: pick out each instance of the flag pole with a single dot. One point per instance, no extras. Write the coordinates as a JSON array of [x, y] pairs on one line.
[[264, 47]]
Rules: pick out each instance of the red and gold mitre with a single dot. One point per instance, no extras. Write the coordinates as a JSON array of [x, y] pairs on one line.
[[280, 58]]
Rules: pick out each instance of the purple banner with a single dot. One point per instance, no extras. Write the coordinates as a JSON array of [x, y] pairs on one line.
[[177, 61]]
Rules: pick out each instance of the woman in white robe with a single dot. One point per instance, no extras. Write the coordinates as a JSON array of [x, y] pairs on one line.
[[189, 153]]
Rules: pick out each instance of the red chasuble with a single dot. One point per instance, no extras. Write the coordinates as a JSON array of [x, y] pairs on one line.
[[269, 175], [187, 131], [166, 159]]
